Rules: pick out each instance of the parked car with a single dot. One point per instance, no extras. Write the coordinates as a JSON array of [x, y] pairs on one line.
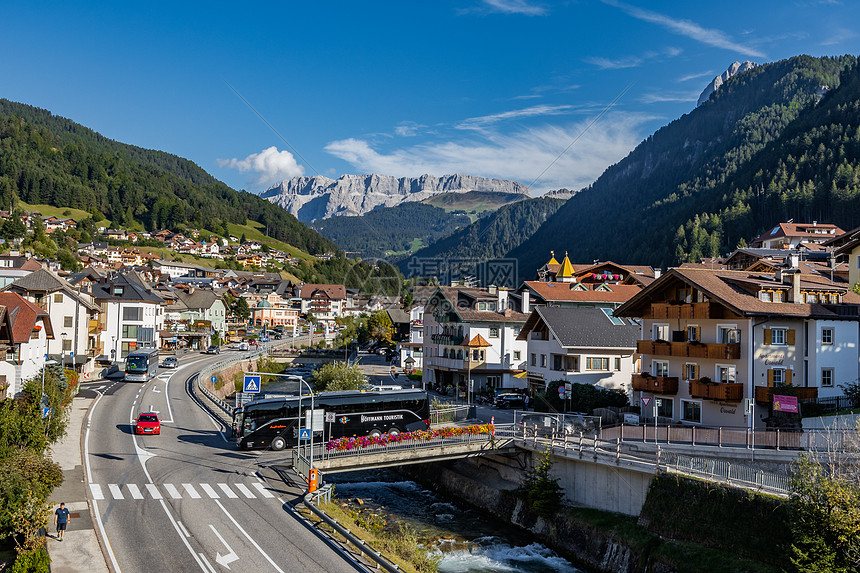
[[510, 400], [170, 362], [147, 423], [244, 346], [213, 350], [113, 372]]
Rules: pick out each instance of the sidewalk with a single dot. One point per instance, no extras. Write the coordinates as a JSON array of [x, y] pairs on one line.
[[80, 549]]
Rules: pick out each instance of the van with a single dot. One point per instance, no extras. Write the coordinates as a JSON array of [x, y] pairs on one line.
[[244, 346]]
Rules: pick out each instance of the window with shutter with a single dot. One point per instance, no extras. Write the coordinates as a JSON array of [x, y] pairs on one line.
[[789, 336], [768, 336], [770, 377]]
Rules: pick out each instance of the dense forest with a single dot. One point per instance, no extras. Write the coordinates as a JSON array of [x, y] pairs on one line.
[[388, 230], [47, 159], [780, 141], [493, 235]]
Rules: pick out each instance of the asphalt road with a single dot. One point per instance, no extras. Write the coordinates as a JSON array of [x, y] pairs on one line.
[[186, 500]]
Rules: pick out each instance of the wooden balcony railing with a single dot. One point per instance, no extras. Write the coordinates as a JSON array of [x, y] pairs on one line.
[[656, 384], [723, 391], [730, 351], [764, 394], [685, 310]]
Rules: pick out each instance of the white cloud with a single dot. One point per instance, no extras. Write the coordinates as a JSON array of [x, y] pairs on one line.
[[609, 64], [670, 96], [520, 156], [515, 7], [534, 111], [692, 30], [708, 74], [407, 128], [268, 166]]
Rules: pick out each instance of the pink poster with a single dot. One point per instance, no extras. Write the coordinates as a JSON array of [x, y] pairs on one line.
[[785, 403]]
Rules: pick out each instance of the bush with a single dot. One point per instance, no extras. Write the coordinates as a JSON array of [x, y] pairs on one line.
[[583, 398], [36, 561], [542, 491]]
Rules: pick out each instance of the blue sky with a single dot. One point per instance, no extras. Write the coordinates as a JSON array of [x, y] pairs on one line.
[[545, 93]]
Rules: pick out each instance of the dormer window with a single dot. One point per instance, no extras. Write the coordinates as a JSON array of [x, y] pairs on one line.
[[118, 290], [765, 296], [778, 296]]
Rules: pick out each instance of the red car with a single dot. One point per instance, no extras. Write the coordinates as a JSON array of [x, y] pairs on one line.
[[147, 423]]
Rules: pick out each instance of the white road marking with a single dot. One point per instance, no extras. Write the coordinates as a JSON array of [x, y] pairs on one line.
[[184, 540], [171, 489], [245, 491], [189, 489], [96, 490], [249, 538], [231, 556], [153, 491], [115, 491], [167, 399], [206, 562], [227, 491], [135, 491], [263, 491], [182, 527], [209, 491], [98, 515]]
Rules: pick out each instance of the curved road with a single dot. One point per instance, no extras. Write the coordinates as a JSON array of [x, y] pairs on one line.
[[187, 500]]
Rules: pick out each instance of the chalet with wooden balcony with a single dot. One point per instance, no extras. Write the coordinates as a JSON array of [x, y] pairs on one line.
[[717, 342]]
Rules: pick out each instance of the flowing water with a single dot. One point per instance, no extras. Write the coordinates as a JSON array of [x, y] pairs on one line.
[[469, 542]]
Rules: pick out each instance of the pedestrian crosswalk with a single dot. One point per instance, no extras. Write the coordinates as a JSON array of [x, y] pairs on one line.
[[252, 490]]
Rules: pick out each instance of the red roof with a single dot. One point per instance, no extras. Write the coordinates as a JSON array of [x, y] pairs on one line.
[[23, 316], [333, 292], [565, 292]]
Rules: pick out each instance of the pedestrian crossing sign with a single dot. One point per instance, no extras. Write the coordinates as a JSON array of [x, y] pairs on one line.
[[251, 384], [305, 434]]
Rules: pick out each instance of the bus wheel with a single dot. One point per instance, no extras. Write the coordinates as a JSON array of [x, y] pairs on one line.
[[279, 443], [375, 433], [393, 432]]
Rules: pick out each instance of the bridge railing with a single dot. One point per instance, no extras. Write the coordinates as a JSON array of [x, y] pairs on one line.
[[448, 415], [503, 432], [839, 440], [600, 451]]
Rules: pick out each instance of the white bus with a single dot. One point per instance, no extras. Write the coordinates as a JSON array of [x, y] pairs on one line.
[[141, 365]]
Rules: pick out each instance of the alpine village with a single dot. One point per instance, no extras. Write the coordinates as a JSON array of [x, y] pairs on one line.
[[661, 370]]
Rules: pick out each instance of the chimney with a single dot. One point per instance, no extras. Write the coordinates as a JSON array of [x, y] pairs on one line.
[[491, 289], [526, 296], [794, 260], [657, 273], [504, 303], [795, 288]]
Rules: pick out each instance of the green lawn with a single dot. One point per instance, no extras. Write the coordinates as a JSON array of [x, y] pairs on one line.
[[62, 212]]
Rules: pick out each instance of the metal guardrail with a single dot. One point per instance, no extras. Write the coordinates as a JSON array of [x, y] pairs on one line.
[[726, 471], [839, 440], [376, 556]]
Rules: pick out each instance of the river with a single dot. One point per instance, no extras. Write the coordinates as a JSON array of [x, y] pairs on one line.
[[469, 542]]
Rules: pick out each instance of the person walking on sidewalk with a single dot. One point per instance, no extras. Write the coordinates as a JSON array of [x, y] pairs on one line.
[[61, 519]]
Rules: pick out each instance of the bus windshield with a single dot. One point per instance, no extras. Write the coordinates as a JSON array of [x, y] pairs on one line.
[[136, 363]]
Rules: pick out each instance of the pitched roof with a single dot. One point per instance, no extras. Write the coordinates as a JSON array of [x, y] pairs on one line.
[[334, 292], [566, 270], [478, 342], [583, 327], [23, 316], [565, 292], [738, 291], [803, 230], [133, 288]]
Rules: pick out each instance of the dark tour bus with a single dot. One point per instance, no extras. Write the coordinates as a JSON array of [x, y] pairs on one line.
[[272, 423]]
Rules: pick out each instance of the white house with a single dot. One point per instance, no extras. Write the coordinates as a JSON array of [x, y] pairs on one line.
[[24, 331], [471, 333], [131, 314]]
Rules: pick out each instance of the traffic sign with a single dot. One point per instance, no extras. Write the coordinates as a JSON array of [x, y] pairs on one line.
[[251, 384], [561, 390], [646, 400], [329, 416], [305, 434], [214, 379]]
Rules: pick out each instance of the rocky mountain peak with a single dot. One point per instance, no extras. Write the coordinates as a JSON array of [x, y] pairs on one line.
[[735, 69]]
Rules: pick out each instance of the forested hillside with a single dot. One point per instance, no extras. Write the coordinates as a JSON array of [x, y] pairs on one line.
[[390, 229], [51, 160], [777, 142], [494, 235]]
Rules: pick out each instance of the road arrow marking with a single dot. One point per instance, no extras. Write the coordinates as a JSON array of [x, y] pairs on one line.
[[231, 556]]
